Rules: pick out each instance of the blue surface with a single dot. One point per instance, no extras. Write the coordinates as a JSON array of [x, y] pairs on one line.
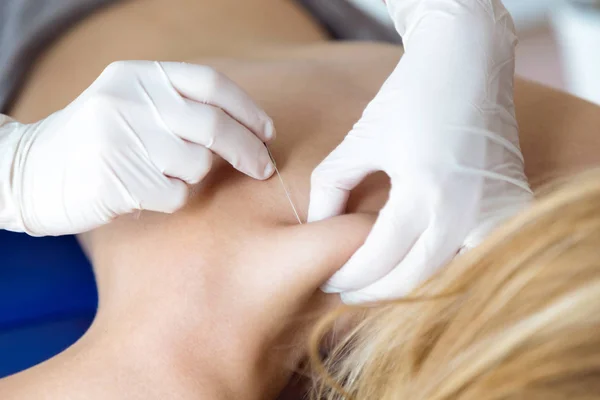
[[48, 298], [33, 343]]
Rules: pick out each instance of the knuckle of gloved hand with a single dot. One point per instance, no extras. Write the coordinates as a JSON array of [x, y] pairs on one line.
[[115, 69], [212, 80], [201, 168], [125, 69], [319, 176], [101, 107], [213, 121], [177, 199]]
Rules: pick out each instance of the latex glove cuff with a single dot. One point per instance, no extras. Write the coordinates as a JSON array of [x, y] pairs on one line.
[[10, 137]]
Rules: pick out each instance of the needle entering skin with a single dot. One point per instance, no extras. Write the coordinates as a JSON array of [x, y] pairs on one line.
[[285, 189]]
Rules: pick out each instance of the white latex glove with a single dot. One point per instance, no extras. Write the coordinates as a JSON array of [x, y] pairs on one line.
[[132, 141], [443, 128]]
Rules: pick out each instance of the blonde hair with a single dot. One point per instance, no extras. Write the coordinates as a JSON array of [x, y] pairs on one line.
[[516, 318]]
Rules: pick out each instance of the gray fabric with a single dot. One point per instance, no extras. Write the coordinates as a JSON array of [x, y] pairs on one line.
[[346, 22], [26, 27]]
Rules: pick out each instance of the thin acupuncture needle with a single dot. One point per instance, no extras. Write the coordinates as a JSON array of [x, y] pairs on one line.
[[285, 189]]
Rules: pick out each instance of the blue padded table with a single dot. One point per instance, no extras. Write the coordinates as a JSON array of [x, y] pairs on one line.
[[48, 298]]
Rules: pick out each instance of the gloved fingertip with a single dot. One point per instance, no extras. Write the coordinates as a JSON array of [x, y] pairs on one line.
[[356, 298], [330, 289], [317, 212], [269, 170], [317, 217], [360, 271], [348, 299], [311, 217], [326, 201], [179, 196]]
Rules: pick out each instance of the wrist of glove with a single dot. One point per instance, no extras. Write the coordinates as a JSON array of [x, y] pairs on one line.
[[134, 140], [451, 18], [10, 136]]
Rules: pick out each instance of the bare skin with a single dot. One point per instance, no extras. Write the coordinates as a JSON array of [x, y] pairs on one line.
[[191, 302]]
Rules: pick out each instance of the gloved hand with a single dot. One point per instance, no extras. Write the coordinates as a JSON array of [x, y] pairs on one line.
[[443, 128], [132, 141]]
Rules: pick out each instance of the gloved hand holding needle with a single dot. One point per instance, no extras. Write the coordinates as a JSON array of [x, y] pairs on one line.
[[132, 141], [443, 128]]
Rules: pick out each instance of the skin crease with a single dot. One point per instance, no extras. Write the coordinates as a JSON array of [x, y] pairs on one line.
[[214, 296]]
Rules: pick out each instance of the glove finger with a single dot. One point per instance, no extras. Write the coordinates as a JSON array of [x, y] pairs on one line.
[[398, 227], [174, 156], [203, 84], [173, 196], [428, 255], [190, 164], [448, 226], [335, 177], [216, 130], [144, 186], [450, 218]]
